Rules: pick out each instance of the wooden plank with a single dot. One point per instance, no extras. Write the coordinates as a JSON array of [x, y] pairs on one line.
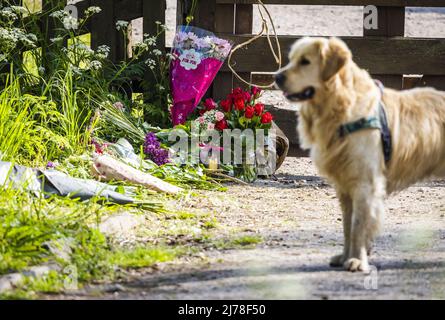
[[437, 82], [205, 15], [391, 23], [103, 31], [379, 55], [153, 11], [383, 3], [124, 11], [49, 29], [224, 23], [243, 25]]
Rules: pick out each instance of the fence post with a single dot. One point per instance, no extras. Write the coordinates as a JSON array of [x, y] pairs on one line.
[[104, 32], [391, 23], [49, 30], [153, 11], [243, 25], [224, 24]]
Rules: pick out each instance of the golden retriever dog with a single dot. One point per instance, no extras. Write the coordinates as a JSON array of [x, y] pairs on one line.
[[334, 91]]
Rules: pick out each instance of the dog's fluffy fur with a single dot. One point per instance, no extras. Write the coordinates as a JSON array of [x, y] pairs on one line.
[[355, 163]]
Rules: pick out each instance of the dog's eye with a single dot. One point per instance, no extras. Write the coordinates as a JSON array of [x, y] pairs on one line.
[[304, 62]]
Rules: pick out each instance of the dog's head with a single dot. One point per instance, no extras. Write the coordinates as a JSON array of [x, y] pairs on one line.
[[312, 62]]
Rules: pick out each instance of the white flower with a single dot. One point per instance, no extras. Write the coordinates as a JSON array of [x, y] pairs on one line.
[[70, 23], [122, 25], [157, 52], [75, 70], [42, 70], [95, 65], [150, 63], [82, 47], [142, 46], [58, 39], [8, 13], [92, 10], [150, 41], [19, 9], [103, 51], [59, 14]]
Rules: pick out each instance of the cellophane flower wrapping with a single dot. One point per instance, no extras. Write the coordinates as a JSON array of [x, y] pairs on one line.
[[199, 56]]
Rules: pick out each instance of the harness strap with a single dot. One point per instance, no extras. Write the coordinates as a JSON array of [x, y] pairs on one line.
[[380, 123]]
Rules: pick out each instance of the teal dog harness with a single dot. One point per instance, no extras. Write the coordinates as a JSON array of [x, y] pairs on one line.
[[380, 123]]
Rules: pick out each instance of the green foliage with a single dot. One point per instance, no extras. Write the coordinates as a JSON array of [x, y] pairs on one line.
[[53, 102], [141, 257]]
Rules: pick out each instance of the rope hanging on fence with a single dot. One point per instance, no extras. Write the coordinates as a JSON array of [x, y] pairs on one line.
[[276, 52]]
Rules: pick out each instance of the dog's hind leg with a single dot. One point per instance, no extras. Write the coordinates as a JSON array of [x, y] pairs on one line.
[[346, 208]]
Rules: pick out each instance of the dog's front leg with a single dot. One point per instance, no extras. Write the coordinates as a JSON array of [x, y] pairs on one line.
[[367, 208], [346, 208]]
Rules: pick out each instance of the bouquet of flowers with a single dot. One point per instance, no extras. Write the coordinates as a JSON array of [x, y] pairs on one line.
[[240, 110], [199, 55]]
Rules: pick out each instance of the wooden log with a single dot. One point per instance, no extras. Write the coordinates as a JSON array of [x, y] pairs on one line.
[[107, 168]]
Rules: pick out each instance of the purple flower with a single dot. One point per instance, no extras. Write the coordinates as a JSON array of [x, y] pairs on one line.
[[154, 151], [50, 165]]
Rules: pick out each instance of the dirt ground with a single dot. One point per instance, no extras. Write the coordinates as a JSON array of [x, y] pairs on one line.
[[297, 215]]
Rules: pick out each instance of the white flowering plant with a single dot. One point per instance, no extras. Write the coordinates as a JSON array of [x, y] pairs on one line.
[[91, 71]]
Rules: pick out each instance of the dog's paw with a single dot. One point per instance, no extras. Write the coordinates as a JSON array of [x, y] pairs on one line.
[[354, 264], [337, 261]]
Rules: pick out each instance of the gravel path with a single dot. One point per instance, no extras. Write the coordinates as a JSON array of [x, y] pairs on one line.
[[298, 216], [299, 220]]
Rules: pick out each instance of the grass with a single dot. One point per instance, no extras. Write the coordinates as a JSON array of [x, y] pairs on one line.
[[238, 242], [143, 256]]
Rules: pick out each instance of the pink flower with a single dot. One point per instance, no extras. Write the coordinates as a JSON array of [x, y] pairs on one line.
[[119, 105], [201, 120], [219, 116], [210, 126]]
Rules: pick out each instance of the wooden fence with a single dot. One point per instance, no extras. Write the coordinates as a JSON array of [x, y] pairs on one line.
[[102, 26], [384, 52]]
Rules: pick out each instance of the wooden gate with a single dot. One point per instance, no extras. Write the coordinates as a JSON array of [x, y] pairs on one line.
[[384, 52]]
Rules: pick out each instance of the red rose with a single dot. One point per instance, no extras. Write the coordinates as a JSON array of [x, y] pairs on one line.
[[226, 105], [256, 92], [237, 91], [250, 112], [239, 94], [240, 104], [266, 118], [209, 104], [259, 109], [221, 125]]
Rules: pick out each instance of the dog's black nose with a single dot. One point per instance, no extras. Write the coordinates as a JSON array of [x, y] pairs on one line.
[[280, 79]]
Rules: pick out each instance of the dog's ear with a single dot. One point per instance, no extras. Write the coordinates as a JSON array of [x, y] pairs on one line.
[[334, 58]]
